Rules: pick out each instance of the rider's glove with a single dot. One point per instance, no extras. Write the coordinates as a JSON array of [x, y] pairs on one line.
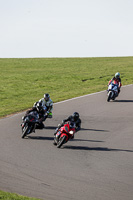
[[63, 122], [47, 112]]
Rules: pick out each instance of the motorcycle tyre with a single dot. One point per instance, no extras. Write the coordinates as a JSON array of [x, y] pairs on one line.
[[62, 140], [25, 132], [55, 142], [109, 96]]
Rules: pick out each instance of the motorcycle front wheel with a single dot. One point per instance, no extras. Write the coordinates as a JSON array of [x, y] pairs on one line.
[[61, 141], [25, 130], [55, 141], [109, 96]]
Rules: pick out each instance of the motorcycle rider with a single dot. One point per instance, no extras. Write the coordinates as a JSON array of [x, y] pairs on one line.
[[116, 80], [47, 104], [73, 119], [39, 109], [44, 108]]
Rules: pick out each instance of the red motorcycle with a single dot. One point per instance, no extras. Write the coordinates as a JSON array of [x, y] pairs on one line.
[[65, 133]]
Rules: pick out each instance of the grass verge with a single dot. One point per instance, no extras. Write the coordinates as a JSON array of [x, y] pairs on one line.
[[24, 81], [12, 196]]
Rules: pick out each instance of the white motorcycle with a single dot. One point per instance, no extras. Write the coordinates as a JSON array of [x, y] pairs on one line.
[[112, 91]]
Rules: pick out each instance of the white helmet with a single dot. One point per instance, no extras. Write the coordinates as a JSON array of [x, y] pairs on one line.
[[117, 75]]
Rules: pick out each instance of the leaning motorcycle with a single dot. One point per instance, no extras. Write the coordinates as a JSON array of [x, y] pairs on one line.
[[29, 123], [112, 91], [64, 134]]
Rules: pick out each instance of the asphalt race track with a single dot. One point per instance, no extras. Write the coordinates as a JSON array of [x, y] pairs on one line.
[[96, 165]]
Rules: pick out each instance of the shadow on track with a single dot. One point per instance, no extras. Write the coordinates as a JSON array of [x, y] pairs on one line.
[[94, 148], [51, 127], [40, 138], [125, 101], [85, 129], [52, 138], [87, 140]]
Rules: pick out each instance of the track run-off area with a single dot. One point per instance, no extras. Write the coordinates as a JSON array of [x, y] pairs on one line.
[[97, 164]]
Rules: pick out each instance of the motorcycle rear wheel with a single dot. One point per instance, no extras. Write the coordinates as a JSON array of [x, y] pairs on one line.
[[61, 141]]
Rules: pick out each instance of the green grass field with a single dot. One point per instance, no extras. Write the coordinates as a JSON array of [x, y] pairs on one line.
[[24, 81], [12, 196]]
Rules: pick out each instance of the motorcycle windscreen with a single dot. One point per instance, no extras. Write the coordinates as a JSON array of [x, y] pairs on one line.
[[66, 129]]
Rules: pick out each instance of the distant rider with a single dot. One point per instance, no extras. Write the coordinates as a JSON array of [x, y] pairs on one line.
[[73, 119], [116, 80]]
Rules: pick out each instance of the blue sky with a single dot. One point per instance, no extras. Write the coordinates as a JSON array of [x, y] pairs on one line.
[[66, 28]]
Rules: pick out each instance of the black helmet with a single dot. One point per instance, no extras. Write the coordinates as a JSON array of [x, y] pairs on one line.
[[75, 116], [46, 97]]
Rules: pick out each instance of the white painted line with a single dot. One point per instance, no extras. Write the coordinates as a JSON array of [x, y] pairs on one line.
[[79, 97], [13, 115], [86, 95], [127, 85]]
